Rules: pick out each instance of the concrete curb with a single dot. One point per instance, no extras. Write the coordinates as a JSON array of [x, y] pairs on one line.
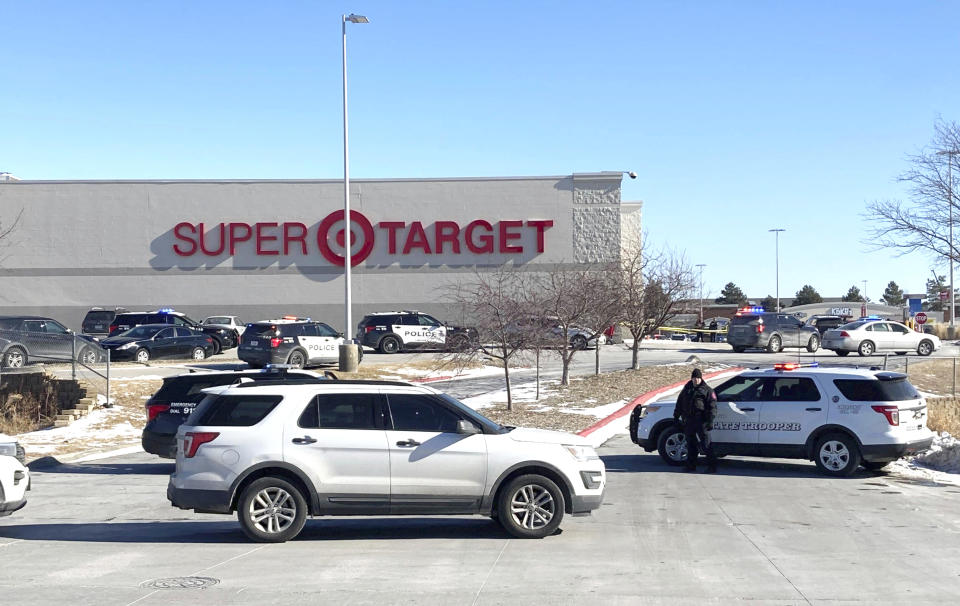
[[645, 398]]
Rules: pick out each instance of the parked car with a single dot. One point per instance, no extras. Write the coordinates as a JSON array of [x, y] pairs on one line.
[[98, 320], [837, 417], [868, 336], [300, 342], [547, 331], [395, 331], [229, 322], [149, 341], [14, 476], [278, 453], [170, 406], [223, 338], [753, 328], [823, 323], [26, 339]]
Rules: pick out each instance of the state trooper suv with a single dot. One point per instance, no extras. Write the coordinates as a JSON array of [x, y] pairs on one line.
[[299, 342], [838, 417], [396, 331], [278, 453]]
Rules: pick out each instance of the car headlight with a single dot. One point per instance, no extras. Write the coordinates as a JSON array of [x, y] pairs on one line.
[[8, 449], [581, 453], [130, 345]]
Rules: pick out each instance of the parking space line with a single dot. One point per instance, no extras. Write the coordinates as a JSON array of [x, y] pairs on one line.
[[143, 597], [490, 572], [229, 560]]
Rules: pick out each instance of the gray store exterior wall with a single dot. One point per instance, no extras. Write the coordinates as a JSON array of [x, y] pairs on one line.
[[262, 249]]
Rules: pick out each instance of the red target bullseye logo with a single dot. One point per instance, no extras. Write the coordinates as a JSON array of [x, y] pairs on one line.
[[356, 220]]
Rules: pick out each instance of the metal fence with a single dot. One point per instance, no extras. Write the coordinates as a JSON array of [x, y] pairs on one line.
[[65, 355]]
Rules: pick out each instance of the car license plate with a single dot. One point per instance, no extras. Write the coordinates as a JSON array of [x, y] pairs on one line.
[[98, 326], [253, 343]]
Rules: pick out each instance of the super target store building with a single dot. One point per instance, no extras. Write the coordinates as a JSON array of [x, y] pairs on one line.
[[260, 249]]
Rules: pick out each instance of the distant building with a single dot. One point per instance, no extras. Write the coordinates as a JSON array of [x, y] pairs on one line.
[[7, 177]]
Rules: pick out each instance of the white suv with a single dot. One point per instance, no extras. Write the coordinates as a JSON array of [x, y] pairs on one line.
[[14, 477], [277, 453], [838, 417]]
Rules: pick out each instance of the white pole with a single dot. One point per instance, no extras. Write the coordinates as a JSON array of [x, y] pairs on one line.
[[347, 331]]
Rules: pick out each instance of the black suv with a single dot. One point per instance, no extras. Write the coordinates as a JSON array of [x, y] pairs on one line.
[[98, 320], [751, 328], [25, 339], [178, 396], [823, 323], [299, 342], [223, 338], [395, 331]]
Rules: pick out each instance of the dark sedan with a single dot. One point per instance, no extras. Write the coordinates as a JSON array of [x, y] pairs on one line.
[[147, 341]]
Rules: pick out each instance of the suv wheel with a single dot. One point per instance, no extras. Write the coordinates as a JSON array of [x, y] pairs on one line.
[[842, 352], [530, 507], [297, 359], [925, 348], [14, 358], [813, 344], [578, 342], [866, 348], [217, 347], [775, 345], [737, 349], [142, 356], [672, 445], [198, 353], [389, 345], [271, 510], [837, 455], [87, 356]]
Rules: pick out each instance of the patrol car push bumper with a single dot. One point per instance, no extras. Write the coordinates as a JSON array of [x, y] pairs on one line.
[[877, 453]]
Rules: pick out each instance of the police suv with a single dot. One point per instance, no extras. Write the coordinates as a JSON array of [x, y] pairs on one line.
[[298, 342], [839, 418], [395, 331]]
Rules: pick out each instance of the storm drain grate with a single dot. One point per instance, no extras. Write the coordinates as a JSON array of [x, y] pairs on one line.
[[180, 583]]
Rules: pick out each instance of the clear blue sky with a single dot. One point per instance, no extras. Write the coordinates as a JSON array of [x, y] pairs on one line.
[[737, 116]]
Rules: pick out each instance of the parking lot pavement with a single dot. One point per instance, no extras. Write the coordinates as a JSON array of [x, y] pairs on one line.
[[759, 531]]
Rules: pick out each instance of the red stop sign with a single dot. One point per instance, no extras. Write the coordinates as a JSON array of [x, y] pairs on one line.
[[921, 317]]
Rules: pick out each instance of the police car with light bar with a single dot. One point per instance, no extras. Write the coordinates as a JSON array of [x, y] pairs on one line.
[[299, 342], [395, 331], [752, 327], [839, 417]]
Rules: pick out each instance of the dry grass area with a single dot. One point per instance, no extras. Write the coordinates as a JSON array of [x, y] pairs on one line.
[[559, 410], [935, 377]]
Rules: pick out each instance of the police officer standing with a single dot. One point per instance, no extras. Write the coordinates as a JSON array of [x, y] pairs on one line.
[[695, 410]]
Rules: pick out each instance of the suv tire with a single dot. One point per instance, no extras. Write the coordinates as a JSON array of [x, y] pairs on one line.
[[738, 349], [925, 348], [672, 445], [530, 507], [389, 345], [578, 342], [297, 359], [837, 454], [87, 356], [14, 357], [271, 510], [142, 356], [775, 345], [867, 348], [813, 344], [842, 352], [198, 353], [217, 346]]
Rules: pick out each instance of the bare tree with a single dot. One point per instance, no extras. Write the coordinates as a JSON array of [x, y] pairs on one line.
[[922, 224], [6, 229], [495, 304], [654, 287]]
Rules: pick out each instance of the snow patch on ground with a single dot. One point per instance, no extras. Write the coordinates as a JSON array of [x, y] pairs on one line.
[[96, 429], [406, 373], [525, 394], [941, 463]]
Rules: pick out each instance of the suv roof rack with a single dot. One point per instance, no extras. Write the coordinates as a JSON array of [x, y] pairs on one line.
[[315, 381]]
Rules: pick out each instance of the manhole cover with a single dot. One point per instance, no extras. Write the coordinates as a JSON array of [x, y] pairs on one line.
[[180, 583]]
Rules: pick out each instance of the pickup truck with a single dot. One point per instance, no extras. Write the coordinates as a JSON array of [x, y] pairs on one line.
[[25, 339]]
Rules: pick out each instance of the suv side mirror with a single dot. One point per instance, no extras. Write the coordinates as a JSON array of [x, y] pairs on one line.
[[465, 427]]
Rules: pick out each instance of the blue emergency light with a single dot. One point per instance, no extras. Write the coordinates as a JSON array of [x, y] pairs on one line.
[[165, 310]]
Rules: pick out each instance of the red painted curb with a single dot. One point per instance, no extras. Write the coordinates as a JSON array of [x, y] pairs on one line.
[[642, 399]]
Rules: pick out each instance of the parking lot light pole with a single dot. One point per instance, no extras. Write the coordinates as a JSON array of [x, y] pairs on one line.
[[347, 240], [776, 231], [701, 266], [950, 154]]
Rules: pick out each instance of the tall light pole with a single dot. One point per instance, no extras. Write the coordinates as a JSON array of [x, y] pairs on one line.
[[347, 233], [701, 266], [776, 232], [950, 153]]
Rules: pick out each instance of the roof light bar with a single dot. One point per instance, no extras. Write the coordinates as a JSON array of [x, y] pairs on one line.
[[750, 309], [794, 365]]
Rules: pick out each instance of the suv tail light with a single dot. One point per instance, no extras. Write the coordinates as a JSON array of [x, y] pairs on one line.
[[195, 439], [113, 327], [369, 328], [891, 412], [275, 342], [759, 328], [155, 409]]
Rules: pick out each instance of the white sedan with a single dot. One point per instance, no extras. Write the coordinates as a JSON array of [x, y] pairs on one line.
[[868, 336], [227, 322]]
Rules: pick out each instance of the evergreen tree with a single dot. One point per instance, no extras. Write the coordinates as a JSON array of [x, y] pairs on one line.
[[807, 295], [769, 303], [853, 295], [934, 288], [731, 293], [893, 295]]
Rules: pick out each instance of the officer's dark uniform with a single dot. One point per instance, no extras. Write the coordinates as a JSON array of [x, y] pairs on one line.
[[696, 408]]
